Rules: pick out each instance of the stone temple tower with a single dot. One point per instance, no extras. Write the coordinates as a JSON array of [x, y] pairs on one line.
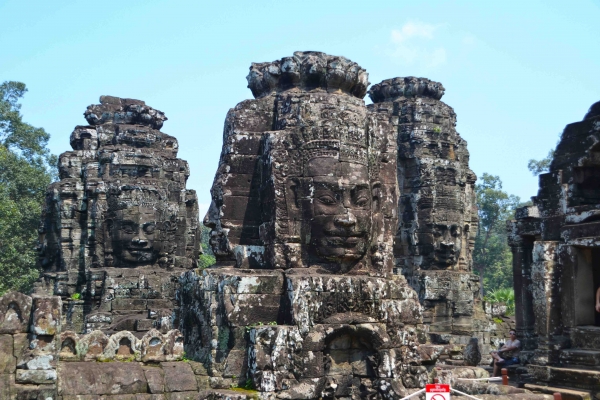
[[436, 210], [119, 226], [304, 298]]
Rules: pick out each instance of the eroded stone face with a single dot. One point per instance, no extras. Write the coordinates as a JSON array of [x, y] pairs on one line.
[[132, 234], [447, 243], [298, 185], [341, 211], [435, 238], [120, 225]]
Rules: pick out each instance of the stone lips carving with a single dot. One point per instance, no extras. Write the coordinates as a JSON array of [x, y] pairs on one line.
[[121, 196]]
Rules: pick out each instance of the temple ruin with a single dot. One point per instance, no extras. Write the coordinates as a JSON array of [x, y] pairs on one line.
[[343, 235], [556, 258]]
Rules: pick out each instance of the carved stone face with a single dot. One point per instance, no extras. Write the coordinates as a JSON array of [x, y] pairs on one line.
[[447, 241], [133, 237], [340, 228]]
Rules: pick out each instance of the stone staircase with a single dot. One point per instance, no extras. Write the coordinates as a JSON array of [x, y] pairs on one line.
[[577, 374], [585, 349]]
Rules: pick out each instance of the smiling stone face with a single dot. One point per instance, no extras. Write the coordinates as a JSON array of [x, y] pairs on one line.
[[340, 227], [447, 243], [133, 234]]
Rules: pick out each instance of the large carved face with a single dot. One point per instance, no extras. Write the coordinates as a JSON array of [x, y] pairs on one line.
[[447, 242], [340, 228], [133, 234]]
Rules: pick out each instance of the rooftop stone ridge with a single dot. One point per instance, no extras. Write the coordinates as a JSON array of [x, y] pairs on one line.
[[308, 70], [392, 89]]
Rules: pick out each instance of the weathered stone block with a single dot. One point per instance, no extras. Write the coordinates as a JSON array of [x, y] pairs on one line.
[[35, 377], [179, 377], [236, 364], [15, 310], [37, 392], [312, 364], [7, 359], [127, 303], [198, 368], [7, 385], [251, 309], [193, 395], [156, 379], [203, 382], [82, 378], [47, 312]]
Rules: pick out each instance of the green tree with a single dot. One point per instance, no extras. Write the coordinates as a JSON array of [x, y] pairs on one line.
[[539, 166], [492, 257], [206, 259], [503, 295], [26, 169]]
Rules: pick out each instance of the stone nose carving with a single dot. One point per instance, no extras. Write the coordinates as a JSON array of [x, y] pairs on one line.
[[140, 241], [347, 220]]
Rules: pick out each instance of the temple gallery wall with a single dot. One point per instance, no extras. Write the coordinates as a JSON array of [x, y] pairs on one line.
[[343, 235]]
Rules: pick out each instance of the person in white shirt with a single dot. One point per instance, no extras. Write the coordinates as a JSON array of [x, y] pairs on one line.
[[508, 354]]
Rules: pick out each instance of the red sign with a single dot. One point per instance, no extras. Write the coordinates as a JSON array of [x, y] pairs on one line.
[[437, 391]]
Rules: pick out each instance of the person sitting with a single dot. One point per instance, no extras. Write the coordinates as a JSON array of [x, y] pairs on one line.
[[508, 354]]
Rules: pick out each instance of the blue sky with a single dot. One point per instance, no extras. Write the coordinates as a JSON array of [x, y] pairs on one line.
[[516, 72]]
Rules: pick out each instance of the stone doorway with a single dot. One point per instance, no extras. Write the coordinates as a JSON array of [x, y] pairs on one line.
[[350, 363], [587, 282]]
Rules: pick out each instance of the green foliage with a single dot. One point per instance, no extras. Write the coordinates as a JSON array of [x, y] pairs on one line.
[[25, 172], [504, 295], [206, 249], [184, 357], [539, 166], [206, 259], [492, 256], [247, 388], [76, 296]]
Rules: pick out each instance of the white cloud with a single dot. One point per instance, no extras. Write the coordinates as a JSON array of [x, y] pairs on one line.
[[413, 44], [413, 29]]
